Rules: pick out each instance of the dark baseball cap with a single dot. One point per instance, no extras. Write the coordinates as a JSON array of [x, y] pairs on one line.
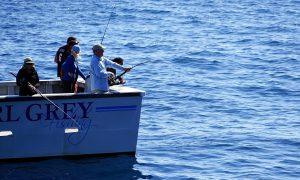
[[72, 40]]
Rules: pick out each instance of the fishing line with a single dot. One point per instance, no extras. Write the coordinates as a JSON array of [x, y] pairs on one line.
[[120, 75], [111, 14], [45, 97]]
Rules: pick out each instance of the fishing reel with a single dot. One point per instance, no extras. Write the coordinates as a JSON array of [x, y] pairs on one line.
[[112, 80]]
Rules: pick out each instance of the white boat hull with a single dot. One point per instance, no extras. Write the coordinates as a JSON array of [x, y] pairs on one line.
[[107, 124]]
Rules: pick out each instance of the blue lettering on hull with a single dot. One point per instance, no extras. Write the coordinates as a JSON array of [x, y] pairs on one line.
[[38, 112]]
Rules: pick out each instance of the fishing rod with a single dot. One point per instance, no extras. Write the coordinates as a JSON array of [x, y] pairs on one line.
[[45, 97], [120, 75], [108, 23]]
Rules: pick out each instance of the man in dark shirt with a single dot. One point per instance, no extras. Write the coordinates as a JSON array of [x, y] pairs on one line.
[[27, 78], [63, 53]]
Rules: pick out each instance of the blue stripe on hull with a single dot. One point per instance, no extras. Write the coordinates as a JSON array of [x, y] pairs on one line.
[[116, 108]]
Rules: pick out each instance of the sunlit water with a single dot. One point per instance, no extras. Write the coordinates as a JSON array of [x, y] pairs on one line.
[[222, 83]]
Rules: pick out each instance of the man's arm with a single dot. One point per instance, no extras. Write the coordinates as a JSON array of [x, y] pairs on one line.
[[81, 74], [21, 78], [56, 58], [65, 68], [37, 79], [18, 80], [58, 55], [112, 64]]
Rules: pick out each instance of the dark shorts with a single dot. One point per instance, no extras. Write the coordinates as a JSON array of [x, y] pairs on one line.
[[68, 86]]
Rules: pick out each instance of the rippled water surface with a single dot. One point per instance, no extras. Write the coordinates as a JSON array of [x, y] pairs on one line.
[[222, 83]]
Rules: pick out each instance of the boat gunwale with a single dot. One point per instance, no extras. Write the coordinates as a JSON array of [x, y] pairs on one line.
[[57, 96]]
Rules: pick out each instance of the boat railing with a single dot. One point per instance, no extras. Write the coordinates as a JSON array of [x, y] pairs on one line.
[[46, 86]]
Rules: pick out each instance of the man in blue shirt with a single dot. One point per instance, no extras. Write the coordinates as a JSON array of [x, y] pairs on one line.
[[71, 70], [99, 75]]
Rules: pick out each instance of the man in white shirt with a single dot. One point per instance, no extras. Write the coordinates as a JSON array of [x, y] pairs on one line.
[[99, 75]]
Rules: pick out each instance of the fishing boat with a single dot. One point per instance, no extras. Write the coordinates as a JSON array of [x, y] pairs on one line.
[[68, 124]]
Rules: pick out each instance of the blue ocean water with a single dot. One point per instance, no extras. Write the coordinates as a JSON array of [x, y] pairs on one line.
[[222, 83]]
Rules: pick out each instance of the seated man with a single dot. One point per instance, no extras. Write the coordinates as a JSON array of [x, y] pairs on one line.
[[27, 78], [119, 80]]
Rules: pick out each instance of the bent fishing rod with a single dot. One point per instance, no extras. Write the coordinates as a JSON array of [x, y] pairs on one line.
[[120, 75], [110, 16], [45, 97]]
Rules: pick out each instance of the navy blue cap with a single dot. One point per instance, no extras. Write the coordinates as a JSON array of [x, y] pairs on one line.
[[76, 48]]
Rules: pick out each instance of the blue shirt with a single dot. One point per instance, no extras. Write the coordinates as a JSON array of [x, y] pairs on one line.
[[71, 70], [99, 75]]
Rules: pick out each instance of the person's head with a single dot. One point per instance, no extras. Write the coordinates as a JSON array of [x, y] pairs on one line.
[[98, 50], [75, 51], [118, 60], [28, 63], [71, 41]]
